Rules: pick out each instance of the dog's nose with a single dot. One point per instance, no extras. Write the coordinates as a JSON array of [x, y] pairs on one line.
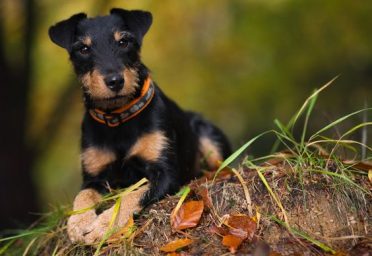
[[114, 82]]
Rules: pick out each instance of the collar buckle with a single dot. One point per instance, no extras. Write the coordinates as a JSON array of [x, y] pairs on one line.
[[111, 119]]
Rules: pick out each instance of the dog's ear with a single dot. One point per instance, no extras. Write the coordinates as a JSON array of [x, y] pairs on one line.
[[63, 32], [137, 21]]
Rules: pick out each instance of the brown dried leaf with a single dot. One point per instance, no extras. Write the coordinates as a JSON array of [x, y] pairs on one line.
[[221, 231], [176, 244], [178, 254], [224, 174], [202, 191], [231, 241], [363, 166], [274, 253], [241, 226], [173, 254], [188, 215]]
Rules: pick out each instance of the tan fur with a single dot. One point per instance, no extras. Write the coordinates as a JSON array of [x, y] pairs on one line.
[[131, 81], [130, 204], [87, 40], [118, 35], [94, 84], [210, 151], [80, 224], [95, 159], [149, 146]]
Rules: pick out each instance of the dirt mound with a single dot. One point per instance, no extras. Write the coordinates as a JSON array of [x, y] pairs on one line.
[[270, 210], [314, 210]]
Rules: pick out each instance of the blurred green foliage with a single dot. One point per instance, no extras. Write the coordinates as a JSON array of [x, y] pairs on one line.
[[241, 63]]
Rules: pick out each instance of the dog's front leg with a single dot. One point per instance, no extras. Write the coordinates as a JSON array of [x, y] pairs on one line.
[[81, 221], [94, 161], [161, 184], [130, 203]]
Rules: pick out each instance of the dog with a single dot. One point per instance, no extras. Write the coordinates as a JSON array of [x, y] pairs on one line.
[[130, 128]]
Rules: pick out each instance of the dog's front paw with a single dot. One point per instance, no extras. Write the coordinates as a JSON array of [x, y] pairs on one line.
[[109, 222], [99, 227], [79, 225]]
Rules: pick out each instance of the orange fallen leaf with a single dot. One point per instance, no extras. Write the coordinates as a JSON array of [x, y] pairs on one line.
[[241, 226], [224, 174], [188, 215], [178, 254], [202, 191], [274, 253], [221, 231], [176, 244], [233, 242], [173, 254]]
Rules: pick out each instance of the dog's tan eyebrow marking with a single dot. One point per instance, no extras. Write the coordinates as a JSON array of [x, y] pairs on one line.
[[118, 35], [150, 146], [95, 159], [86, 40]]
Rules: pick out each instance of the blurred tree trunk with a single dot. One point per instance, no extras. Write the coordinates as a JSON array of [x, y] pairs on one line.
[[17, 190]]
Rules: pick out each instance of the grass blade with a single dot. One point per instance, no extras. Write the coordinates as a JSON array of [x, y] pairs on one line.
[[246, 191], [273, 194], [184, 192], [238, 152], [341, 119], [303, 107], [308, 113]]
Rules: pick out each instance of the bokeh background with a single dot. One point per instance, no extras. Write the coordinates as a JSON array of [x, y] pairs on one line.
[[241, 63]]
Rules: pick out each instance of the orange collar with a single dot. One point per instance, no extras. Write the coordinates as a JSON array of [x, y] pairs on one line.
[[128, 111]]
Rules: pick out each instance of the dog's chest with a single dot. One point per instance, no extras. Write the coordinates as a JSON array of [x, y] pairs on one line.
[[147, 147]]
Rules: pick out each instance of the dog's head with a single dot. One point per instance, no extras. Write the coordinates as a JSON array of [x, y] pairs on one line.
[[105, 52]]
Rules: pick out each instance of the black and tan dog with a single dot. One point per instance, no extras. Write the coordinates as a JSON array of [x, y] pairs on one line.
[[130, 129]]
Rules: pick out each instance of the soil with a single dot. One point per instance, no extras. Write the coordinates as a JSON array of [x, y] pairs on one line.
[[335, 216]]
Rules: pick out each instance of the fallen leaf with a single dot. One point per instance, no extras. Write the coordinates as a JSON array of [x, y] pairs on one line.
[[202, 191], [173, 254], [176, 244], [241, 226], [221, 231], [363, 166], [224, 174], [178, 254], [188, 215], [231, 241], [370, 175], [274, 253]]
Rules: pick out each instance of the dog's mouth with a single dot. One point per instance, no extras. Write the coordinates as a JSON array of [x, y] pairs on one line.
[[114, 98], [113, 102]]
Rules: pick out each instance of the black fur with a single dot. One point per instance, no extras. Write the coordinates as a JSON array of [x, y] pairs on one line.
[[176, 165]]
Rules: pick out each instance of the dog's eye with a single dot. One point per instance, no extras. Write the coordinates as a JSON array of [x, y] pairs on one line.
[[84, 50], [123, 43]]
